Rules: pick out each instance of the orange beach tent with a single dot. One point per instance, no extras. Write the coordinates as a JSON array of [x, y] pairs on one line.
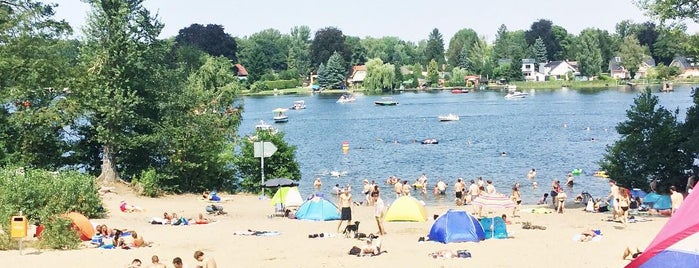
[[82, 225]]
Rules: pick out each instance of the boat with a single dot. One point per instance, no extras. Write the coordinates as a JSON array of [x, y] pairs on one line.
[[459, 91], [279, 116], [516, 95], [386, 101], [601, 174], [430, 141], [263, 126], [449, 117], [298, 105], [345, 98]]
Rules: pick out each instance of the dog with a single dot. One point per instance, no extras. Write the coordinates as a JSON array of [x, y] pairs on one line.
[[351, 228], [360, 236]]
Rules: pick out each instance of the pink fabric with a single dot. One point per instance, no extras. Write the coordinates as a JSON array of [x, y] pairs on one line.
[[682, 224], [123, 207]]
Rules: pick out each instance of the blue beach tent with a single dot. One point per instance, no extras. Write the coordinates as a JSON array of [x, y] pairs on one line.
[[318, 209], [659, 202], [494, 228], [456, 226]]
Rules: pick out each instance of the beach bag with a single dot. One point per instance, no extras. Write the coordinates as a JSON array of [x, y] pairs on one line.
[[355, 251]]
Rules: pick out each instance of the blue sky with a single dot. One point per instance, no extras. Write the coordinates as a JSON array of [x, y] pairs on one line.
[[407, 19]]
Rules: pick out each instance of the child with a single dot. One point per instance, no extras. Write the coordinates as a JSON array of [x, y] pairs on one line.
[[542, 201]]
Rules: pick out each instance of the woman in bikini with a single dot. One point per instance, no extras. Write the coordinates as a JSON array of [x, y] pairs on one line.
[[624, 202]]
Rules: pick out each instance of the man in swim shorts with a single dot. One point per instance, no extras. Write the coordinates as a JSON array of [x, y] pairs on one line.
[[345, 208]]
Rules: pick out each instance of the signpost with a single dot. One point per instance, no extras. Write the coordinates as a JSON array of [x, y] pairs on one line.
[[263, 149]]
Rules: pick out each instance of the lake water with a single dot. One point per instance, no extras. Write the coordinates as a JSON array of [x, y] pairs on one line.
[[553, 131]]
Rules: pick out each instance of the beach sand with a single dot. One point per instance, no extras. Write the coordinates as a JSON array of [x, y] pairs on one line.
[[552, 247]]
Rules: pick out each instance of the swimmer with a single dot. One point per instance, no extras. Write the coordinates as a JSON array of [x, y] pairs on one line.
[[536, 185], [503, 154]]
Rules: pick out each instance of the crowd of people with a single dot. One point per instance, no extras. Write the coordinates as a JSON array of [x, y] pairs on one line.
[[177, 262]]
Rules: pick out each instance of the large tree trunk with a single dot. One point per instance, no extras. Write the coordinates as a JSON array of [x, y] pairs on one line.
[[109, 172]]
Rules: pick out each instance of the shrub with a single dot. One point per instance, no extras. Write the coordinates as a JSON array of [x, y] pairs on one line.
[[59, 234], [149, 183], [282, 84], [258, 86], [40, 194]]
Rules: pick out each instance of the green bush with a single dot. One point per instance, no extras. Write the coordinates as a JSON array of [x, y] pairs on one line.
[[149, 182], [282, 84], [41, 195], [59, 234], [258, 86]]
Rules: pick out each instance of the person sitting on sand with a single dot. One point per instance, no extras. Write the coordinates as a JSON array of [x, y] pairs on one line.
[[156, 262], [504, 219], [138, 240], [204, 262], [448, 254], [124, 207], [136, 263], [201, 219]]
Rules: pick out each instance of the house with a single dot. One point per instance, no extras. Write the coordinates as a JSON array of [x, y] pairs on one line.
[[357, 76], [688, 66], [241, 72], [560, 69], [530, 72], [618, 71]]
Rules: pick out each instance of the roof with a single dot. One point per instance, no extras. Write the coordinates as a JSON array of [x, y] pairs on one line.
[[649, 61], [528, 61], [241, 70], [359, 68], [555, 64], [358, 73]]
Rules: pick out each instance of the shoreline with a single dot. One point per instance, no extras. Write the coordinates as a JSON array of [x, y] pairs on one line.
[[293, 248]]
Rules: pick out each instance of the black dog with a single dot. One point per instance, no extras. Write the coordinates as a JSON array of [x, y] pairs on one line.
[[351, 228]]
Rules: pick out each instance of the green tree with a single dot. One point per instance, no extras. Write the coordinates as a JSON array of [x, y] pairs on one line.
[[380, 76], [299, 58], [464, 61], [631, 54], [544, 29], [322, 75], [672, 9], [464, 37], [36, 64], [326, 42], [432, 73], [334, 73], [458, 76], [502, 45], [589, 54], [357, 51], [282, 164], [416, 74], [264, 52], [434, 49], [211, 39], [539, 51], [119, 57], [690, 128], [669, 44], [649, 147], [479, 58]]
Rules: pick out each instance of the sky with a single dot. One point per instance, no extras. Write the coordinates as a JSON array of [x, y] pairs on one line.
[[410, 20]]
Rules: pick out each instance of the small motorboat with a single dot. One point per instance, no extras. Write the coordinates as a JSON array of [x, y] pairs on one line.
[[298, 105], [430, 141], [449, 117], [279, 116], [516, 95], [459, 91], [345, 99], [386, 101], [263, 126]]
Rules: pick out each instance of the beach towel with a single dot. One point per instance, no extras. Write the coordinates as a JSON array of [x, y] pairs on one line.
[[257, 233], [578, 237]]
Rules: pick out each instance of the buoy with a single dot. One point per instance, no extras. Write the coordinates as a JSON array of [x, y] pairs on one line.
[[345, 147]]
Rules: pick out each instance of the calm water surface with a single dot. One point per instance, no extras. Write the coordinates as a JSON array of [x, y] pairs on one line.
[[552, 131]]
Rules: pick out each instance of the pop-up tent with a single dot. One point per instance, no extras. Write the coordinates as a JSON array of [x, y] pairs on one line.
[[406, 208], [287, 197], [676, 243], [494, 227], [456, 226], [318, 209], [659, 202], [82, 225]]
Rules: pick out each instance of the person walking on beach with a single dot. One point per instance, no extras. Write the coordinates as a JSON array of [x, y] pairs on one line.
[[516, 197], [345, 208], [614, 195], [379, 211]]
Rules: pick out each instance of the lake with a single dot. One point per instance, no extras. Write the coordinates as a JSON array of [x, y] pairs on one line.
[[553, 131]]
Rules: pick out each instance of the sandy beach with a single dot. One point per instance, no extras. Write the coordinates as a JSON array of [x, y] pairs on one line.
[[292, 247]]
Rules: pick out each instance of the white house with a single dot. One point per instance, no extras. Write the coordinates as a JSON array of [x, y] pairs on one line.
[[618, 71], [561, 69], [688, 66], [530, 72]]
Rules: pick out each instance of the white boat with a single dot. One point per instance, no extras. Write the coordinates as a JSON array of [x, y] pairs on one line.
[[449, 117], [279, 116], [263, 126], [298, 105], [516, 95], [345, 99]]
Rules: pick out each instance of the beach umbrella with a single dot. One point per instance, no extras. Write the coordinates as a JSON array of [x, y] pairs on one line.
[[279, 182], [494, 201], [635, 192]]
